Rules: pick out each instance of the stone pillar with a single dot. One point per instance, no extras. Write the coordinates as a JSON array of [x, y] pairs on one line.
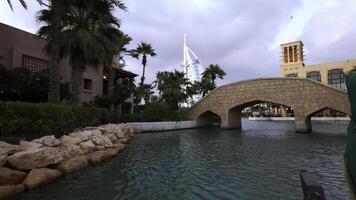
[[302, 125], [288, 54], [233, 119]]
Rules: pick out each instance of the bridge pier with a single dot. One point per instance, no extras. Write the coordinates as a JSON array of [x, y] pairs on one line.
[[233, 119], [303, 126], [235, 125]]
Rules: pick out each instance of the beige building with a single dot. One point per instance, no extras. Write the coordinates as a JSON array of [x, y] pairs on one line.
[[22, 49], [331, 74], [293, 65]]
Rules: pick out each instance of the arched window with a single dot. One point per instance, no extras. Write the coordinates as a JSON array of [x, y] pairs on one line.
[[336, 79], [292, 75], [314, 76]]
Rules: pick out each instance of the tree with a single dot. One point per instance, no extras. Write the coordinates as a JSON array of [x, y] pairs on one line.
[[23, 3], [110, 69], [204, 86], [213, 72], [171, 87], [88, 35], [143, 49]]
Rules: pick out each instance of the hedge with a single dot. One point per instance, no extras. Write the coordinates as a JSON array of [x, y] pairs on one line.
[[22, 118]]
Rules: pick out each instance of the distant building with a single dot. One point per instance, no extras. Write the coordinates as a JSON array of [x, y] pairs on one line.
[[331, 74], [22, 49], [192, 68]]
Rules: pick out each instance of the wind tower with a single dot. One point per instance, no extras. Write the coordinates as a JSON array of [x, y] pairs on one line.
[[192, 66]]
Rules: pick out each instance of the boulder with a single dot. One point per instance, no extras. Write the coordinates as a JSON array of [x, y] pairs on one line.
[[67, 140], [49, 140], [37, 177], [103, 130], [112, 137], [35, 158], [87, 146], [3, 160], [119, 134], [70, 151], [96, 132], [83, 135], [10, 190], [102, 141], [97, 157], [8, 149], [112, 151], [10, 176], [99, 148], [124, 140], [72, 164], [25, 145], [120, 146]]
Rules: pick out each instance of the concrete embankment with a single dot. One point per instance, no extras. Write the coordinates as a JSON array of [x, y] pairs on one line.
[[326, 119], [31, 164], [162, 126]]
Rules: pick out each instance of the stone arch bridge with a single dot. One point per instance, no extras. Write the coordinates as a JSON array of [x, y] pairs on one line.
[[305, 96]]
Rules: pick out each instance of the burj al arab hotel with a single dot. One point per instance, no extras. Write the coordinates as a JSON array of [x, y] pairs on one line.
[[192, 66]]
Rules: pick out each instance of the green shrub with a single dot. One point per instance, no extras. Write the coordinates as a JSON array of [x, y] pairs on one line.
[[22, 118], [158, 111]]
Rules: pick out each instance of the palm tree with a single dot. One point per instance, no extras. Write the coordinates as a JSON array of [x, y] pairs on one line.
[[144, 49], [23, 3], [89, 34], [171, 87], [213, 72], [109, 67], [204, 86]]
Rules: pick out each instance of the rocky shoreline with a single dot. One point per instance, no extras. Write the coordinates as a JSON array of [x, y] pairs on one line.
[[34, 163]]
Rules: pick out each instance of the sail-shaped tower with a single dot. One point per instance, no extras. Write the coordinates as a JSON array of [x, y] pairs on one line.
[[192, 66]]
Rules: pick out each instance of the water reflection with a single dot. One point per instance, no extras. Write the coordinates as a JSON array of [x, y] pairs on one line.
[[261, 161]]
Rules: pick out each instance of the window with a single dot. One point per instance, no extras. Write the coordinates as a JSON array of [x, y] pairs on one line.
[[34, 64], [88, 84], [336, 79], [290, 54], [314, 76], [292, 75], [285, 53]]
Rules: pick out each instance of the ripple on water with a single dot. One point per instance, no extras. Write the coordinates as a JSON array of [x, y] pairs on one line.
[[209, 164]]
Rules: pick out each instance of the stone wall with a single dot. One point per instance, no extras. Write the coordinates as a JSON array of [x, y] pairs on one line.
[[305, 96], [37, 162], [161, 126]]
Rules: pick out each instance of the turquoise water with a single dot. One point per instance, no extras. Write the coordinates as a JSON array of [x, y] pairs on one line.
[[262, 161]]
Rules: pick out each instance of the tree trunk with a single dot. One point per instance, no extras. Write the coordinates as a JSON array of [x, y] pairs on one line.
[[143, 75], [53, 81], [77, 85], [111, 85], [53, 71]]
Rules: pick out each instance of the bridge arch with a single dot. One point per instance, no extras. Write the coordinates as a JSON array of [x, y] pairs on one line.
[[305, 96], [235, 112], [208, 119]]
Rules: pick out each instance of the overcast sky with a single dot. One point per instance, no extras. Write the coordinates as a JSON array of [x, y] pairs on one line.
[[241, 36]]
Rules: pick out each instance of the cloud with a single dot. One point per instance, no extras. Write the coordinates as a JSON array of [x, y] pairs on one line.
[[241, 36]]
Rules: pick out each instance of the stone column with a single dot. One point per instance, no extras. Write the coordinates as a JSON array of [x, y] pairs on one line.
[[233, 119], [303, 125], [288, 54]]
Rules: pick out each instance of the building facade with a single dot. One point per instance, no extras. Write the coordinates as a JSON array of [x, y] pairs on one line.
[[22, 49], [331, 74]]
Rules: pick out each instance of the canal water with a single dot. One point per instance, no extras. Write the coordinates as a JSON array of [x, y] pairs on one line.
[[261, 161]]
